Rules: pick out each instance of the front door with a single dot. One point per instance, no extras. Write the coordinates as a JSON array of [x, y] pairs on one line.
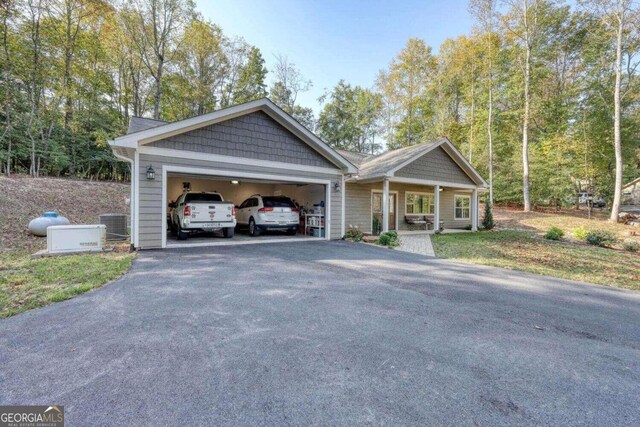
[[392, 211], [376, 212]]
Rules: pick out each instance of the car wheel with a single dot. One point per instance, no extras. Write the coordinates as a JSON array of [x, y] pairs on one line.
[[253, 228], [182, 235], [228, 232]]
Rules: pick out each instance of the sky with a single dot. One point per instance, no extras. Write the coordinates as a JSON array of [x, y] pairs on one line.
[[329, 40]]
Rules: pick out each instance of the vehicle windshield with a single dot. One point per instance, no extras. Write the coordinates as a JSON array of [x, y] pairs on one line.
[[277, 202], [202, 197]]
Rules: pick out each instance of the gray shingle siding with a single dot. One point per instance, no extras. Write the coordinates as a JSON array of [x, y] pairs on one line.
[[151, 224], [436, 165], [254, 136]]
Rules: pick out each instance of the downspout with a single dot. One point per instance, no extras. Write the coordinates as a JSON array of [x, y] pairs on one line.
[[131, 197]]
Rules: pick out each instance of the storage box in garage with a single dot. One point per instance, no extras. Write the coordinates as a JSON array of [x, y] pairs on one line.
[[317, 232]]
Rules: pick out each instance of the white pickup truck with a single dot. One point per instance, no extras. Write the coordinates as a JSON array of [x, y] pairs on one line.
[[194, 212]]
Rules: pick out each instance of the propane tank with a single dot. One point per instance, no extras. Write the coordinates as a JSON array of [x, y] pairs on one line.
[[38, 226]]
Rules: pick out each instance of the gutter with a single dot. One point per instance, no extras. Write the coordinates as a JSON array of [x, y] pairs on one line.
[[131, 196]]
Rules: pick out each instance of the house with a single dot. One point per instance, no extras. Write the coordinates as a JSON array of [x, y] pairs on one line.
[[431, 179], [631, 193], [256, 148]]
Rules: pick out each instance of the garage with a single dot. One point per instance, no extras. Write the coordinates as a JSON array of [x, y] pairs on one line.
[[309, 199], [241, 151]]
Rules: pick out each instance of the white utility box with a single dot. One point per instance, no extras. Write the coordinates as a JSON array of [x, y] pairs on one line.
[[75, 238]]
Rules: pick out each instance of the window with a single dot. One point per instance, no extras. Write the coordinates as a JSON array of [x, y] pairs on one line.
[[277, 202], [203, 197], [419, 203], [377, 202], [462, 207]]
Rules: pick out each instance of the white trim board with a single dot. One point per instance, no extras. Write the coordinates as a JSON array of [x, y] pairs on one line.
[[194, 155], [466, 196], [421, 193], [429, 182], [343, 212], [137, 139], [375, 190], [166, 169], [136, 186]]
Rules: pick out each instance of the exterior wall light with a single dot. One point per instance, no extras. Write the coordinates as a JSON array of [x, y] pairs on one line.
[[235, 182], [151, 174], [336, 186]]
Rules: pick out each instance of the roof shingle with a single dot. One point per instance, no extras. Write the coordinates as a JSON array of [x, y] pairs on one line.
[[375, 166], [138, 124]]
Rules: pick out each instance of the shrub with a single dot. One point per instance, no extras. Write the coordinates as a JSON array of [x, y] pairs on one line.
[[601, 238], [554, 233], [468, 227], [376, 227], [354, 234], [631, 246], [487, 220], [580, 233], [390, 239]]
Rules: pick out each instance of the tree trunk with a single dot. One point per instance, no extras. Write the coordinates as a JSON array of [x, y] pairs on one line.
[[490, 135], [473, 113], [525, 119], [617, 139], [158, 94]]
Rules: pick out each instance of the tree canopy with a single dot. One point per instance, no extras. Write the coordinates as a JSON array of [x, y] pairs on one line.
[[541, 97]]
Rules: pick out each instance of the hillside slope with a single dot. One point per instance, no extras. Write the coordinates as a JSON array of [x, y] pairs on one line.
[[25, 198]]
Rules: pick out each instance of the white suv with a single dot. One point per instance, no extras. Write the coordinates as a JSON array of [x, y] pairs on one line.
[[260, 213]]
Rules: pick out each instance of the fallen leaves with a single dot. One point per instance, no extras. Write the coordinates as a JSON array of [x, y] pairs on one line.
[[27, 198]]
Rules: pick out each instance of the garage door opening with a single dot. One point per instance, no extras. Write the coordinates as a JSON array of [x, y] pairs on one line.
[[289, 210]]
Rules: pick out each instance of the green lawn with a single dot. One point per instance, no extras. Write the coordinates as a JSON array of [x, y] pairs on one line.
[[27, 283], [523, 250]]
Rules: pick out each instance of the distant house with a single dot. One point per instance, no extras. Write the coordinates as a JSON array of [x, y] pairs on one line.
[[631, 193]]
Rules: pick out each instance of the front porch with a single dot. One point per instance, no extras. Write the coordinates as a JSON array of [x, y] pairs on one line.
[[411, 208]]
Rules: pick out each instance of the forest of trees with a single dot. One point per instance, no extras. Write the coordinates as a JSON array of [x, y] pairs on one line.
[[539, 96]]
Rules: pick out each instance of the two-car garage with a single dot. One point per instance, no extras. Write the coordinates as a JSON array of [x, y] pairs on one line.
[[309, 199], [242, 151]]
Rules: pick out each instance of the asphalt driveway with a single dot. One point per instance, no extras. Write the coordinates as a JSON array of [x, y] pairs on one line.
[[328, 333]]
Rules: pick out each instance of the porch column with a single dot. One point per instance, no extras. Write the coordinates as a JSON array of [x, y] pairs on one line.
[[474, 210], [436, 208], [385, 205]]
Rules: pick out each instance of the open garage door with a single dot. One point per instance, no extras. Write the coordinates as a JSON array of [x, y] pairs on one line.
[[268, 208]]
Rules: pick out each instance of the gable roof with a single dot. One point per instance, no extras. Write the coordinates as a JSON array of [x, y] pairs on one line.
[[355, 157], [155, 133], [137, 124], [386, 164]]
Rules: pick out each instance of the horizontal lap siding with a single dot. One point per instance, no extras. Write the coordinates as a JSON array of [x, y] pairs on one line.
[[436, 165], [336, 211], [446, 209], [358, 204], [151, 222], [252, 136]]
